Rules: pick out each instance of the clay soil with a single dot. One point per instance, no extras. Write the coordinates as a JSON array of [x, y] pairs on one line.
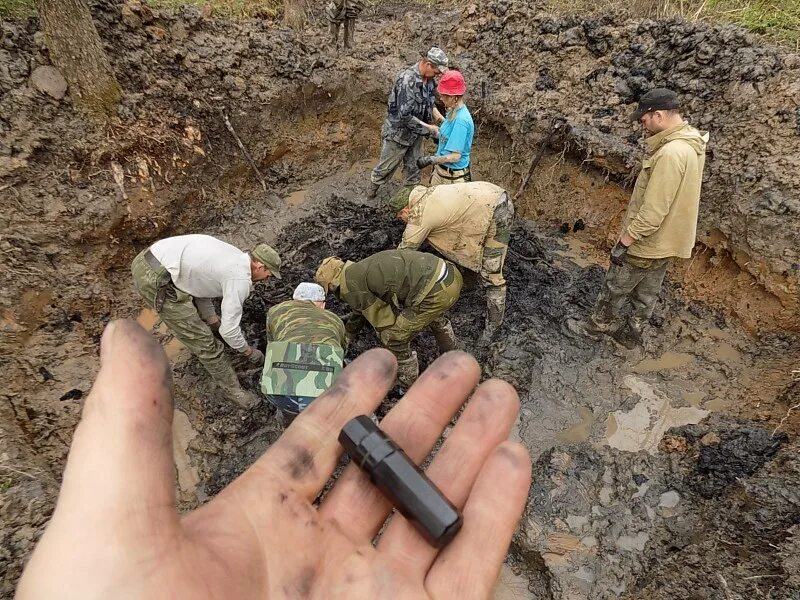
[[665, 472]]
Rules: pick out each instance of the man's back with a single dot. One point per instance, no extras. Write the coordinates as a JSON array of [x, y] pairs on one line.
[[398, 277], [302, 322], [201, 264], [453, 218]]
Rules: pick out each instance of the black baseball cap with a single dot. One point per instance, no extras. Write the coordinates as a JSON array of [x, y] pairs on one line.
[[656, 99]]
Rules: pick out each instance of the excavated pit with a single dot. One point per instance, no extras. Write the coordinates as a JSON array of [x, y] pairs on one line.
[[659, 472]]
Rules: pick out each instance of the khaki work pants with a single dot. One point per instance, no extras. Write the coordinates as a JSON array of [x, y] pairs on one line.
[[638, 281], [495, 245], [441, 176], [430, 312], [181, 316], [392, 154]]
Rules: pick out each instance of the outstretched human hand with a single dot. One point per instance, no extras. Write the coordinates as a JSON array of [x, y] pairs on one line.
[[116, 534]]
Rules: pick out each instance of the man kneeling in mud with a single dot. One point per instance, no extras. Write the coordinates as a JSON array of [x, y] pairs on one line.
[[305, 351]]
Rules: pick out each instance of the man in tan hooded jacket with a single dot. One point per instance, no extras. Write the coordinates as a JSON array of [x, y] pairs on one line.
[[469, 223], [659, 225]]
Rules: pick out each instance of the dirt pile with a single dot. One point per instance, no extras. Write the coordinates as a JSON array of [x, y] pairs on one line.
[[592, 70], [611, 524]]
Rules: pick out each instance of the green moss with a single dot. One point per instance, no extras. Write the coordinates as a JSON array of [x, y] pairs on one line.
[[227, 8], [16, 9]]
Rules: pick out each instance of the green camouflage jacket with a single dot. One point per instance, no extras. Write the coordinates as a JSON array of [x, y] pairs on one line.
[[304, 350], [301, 321], [382, 285]]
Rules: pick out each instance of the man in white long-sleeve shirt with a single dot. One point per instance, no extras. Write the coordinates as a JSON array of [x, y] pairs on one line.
[[179, 276]]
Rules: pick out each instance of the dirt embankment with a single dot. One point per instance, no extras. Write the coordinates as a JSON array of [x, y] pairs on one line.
[[526, 67], [83, 202]]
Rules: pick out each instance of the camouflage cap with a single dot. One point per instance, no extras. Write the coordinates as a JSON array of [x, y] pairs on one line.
[[328, 271], [400, 199], [309, 291], [268, 257], [437, 58]]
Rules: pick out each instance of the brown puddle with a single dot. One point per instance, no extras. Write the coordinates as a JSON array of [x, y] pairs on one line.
[[188, 477], [297, 198], [694, 398], [579, 252], [174, 349], [580, 432], [147, 318], [510, 586], [726, 352], [668, 360]]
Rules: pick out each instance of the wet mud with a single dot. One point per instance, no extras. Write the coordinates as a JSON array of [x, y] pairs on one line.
[[660, 472]]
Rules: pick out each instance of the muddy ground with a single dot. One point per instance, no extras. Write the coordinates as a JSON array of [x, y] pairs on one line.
[[668, 471]]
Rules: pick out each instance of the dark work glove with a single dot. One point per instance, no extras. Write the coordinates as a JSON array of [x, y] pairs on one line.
[[424, 161], [618, 253]]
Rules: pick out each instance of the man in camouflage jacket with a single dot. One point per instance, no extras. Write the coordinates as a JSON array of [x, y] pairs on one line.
[[411, 104], [305, 350], [400, 293]]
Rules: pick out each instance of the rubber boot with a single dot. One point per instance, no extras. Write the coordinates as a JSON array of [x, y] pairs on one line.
[[407, 370], [373, 190], [495, 310], [629, 335], [349, 32], [334, 31], [442, 330], [577, 328], [229, 384]]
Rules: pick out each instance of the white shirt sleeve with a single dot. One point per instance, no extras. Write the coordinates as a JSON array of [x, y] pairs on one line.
[[234, 293]]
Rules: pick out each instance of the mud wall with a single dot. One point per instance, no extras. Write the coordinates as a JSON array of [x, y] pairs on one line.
[[524, 67]]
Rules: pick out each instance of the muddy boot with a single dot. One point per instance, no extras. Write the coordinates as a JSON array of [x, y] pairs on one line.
[[576, 328], [407, 371], [349, 32], [629, 335], [241, 396], [334, 31], [442, 330], [495, 310], [373, 190], [229, 384]]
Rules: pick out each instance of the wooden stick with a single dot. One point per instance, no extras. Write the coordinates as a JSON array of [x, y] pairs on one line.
[[557, 123], [246, 154]]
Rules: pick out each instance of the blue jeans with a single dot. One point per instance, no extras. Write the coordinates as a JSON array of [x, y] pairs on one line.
[[290, 404]]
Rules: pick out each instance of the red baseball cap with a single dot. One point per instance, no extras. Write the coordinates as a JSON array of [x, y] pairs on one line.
[[452, 84]]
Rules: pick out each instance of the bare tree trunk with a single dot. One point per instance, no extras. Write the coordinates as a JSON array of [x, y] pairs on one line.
[[294, 14], [77, 51]]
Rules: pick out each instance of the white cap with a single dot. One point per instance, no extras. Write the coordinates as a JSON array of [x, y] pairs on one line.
[[309, 291]]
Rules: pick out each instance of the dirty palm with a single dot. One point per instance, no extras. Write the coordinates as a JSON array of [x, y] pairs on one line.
[[262, 536]]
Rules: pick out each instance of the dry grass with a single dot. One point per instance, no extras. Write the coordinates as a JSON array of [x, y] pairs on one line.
[[778, 20]]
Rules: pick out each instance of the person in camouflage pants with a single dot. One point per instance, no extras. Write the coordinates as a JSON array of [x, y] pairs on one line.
[[400, 293], [343, 11], [469, 223], [305, 350], [409, 109], [178, 277]]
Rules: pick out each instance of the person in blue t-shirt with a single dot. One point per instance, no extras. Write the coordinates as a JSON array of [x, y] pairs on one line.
[[452, 159]]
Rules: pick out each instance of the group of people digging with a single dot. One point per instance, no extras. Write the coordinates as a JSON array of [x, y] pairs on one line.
[[271, 532], [400, 292]]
